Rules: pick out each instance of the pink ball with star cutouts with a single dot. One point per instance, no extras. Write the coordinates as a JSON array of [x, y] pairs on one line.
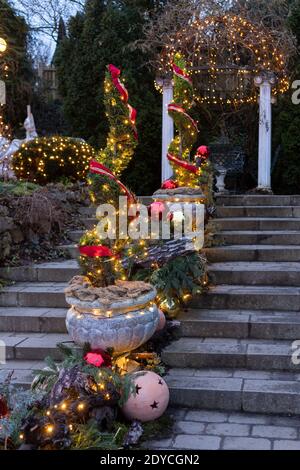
[[150, 400]]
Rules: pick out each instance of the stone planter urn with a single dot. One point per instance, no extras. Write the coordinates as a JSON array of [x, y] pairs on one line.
[[220, 183], [122, 316], [186, 205]]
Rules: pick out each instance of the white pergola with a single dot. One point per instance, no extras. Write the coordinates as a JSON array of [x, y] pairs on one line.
[[228, 57], [264, 81]]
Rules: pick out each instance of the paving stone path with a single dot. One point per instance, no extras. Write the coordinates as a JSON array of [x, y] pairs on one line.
[[215, 430]]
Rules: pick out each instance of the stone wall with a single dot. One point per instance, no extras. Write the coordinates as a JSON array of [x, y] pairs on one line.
[[34, 224]]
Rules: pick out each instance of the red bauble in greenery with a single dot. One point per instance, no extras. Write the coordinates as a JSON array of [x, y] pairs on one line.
[[98, 358], [203, 151], [169, 184]]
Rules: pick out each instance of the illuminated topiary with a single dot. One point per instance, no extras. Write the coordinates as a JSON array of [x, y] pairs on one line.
[[49, 159], [122, 139], [179, 152]]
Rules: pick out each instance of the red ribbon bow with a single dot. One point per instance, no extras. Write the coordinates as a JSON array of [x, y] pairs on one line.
[[100, 251]]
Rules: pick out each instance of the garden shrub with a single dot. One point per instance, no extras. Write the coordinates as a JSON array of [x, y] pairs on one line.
[[50, 159]]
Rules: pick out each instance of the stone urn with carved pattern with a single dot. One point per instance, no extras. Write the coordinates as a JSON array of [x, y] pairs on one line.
[[121, 317]]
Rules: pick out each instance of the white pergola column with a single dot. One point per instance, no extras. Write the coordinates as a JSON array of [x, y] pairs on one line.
[[167, 128], [265, 83]]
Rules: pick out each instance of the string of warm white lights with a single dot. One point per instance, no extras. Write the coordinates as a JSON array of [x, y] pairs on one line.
[[224, 54], [35, 160]]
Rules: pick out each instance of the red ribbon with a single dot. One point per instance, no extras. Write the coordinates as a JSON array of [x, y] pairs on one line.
[[187, 166], [100, 251], [99, 169], [178, 109], [181, 74], [115, 74]]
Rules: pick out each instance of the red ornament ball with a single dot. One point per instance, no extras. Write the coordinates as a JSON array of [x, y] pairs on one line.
[[98, 358], [150, 400], [94, 359], [203, 151], [169, 184]]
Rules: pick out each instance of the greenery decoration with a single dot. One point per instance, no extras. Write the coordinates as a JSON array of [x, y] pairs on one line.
[[179, 279], [122, 138], [49, 159], [74, 405], [186, 137]]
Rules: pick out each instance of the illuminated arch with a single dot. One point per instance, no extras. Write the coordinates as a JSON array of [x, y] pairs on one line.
[[224, 54]]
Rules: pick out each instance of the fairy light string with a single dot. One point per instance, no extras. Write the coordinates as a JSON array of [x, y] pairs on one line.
[[224, 54], [186, 174]]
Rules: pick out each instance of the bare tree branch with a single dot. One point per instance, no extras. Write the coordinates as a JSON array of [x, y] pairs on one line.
[[43, 16], [175, 19]]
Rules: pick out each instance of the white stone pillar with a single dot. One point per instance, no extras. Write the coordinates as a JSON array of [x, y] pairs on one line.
[[167, 128], [265, 83]]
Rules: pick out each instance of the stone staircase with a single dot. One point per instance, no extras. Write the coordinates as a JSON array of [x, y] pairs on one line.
[[234, 351]]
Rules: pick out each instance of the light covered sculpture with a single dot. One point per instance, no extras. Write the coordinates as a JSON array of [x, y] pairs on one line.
[[9, 148]]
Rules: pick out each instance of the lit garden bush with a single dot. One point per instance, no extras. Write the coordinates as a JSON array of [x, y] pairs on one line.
[[50, 159]]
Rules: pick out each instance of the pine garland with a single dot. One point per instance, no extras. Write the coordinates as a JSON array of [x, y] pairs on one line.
[[186, 137], [122, 138]]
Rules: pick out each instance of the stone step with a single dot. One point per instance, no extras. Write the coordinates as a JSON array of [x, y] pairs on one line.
[[257, 200], [46, 294], [235, 390], [258, 224], [75, 235], [51, 295], [33, 320], [259, 253], [240, 324], [70, 250], [258, 211], [251, 354], [248, 225], [33, 346], [60, 271], [23, 372], [241, 237], [256, 273], [241, 297], [89, 223], [88, 211]]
